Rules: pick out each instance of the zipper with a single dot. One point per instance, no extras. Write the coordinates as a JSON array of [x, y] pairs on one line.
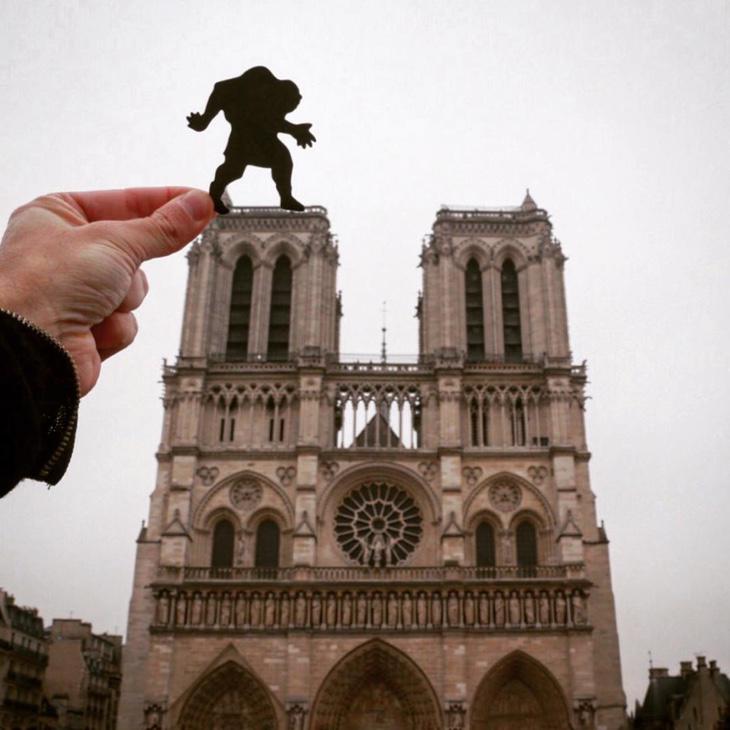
[[70, 422]]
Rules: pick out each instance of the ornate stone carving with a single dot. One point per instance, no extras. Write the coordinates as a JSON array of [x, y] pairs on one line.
[[429, 470], [328, 469], [207, 474], [245, 494], [378, 525], [585, 710], [370, 609], [472, 474], [455, 716], [537, 474], [153, 715], [505, 496], [286, 474], [296, 715]]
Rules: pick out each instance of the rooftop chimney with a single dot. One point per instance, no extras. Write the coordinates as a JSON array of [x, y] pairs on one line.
[[656, 672], [713, 666], [701, 662], [685, 668]]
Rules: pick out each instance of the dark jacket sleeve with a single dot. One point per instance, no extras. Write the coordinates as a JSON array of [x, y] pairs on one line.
[[40, 398]]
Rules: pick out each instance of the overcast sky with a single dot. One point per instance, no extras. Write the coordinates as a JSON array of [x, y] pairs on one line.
[[614, 114]]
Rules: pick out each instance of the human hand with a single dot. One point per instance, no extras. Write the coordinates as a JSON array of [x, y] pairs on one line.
[[303, 136], [196, 122], [69, 263]]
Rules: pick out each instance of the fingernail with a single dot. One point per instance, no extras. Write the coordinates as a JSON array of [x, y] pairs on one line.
[[197, 204]]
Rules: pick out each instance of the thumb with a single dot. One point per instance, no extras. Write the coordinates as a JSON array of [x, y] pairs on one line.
[[168, 228]]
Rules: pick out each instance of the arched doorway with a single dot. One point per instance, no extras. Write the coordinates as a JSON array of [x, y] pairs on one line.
[[376, 686], [519, 693], [228, 698]]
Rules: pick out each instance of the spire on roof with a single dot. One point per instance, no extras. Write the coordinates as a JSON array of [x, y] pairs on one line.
[[528, 203]]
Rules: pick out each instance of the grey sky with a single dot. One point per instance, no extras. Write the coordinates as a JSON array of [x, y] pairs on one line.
[[615, 114]]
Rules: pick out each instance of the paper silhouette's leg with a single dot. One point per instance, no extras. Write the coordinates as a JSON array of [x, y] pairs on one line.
[[224, 175], [281, 170]]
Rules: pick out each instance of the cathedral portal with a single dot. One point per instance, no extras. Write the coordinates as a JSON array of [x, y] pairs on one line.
[[519, 694], [376, 686], [228, 698]]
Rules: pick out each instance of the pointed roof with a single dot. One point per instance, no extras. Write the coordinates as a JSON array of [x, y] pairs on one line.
[[528, 203], [377, 429]]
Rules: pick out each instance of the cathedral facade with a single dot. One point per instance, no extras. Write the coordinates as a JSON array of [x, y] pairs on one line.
[[337, 545]]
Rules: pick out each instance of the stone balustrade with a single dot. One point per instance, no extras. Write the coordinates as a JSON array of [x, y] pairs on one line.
[[359, 574]]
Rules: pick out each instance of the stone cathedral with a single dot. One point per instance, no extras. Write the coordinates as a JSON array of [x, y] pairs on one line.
[[351, 545]]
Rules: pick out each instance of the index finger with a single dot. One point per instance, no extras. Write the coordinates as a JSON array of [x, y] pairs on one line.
[[124, 204]]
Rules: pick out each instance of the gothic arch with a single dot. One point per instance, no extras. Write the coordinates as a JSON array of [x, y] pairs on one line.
[[519, 693], [535, 501], [230, 693], [208, 503], [376, 677], [510, 248], [248, 245], [473, 248], [283, 244]]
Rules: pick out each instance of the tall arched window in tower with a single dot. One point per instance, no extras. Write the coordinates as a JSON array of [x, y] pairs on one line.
[[280, 314], [240, 313], [474, 311], [267, 545], [486, 555], [519, 425], [223, 540], [511, 312], [526, 536]]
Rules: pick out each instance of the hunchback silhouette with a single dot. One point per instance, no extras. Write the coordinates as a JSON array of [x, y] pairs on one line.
[[255, 104]]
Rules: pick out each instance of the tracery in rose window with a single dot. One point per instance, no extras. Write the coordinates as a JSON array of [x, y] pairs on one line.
[[378, 524]]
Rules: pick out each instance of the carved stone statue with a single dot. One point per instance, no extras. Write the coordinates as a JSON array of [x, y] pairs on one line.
[[514, 609], [316, 610], [270, 609], [392, 611], [377, 610], [378, 549], [210, 608], [484, 609], [544, 609], [578, 609], [300, 610], [499, 609], [469, 609], [455, 716], [331, 612], [560, 609], [196, 613], [241, 606], [225, 616], [452, 608], [529, 609], [362, 609], [346, 610], [407, 611], [241, 549], [421, 609], [255, 610], [180, 606], [284, 610]]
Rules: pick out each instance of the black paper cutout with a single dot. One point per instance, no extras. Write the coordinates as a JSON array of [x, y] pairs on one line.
[[255, 104]]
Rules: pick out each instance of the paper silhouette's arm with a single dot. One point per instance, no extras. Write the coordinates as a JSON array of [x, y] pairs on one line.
[[268, 120], [200, 122]]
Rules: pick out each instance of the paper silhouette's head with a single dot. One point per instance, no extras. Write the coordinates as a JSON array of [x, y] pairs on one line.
[[290, 96]]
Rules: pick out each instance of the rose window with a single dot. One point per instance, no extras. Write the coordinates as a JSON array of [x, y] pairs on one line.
[[378, 525]]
